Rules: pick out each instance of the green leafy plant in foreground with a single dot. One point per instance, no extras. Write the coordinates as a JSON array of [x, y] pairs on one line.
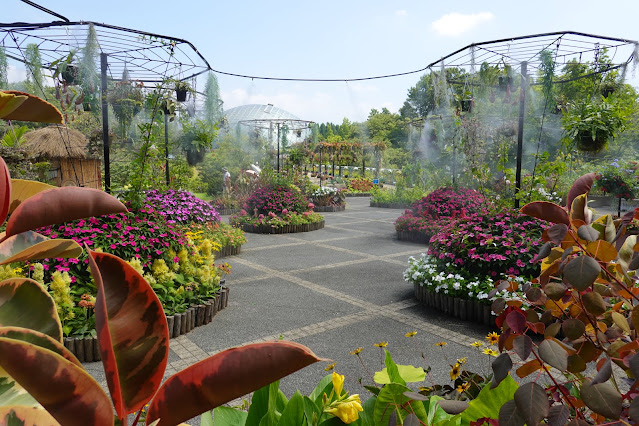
[[42, 382]]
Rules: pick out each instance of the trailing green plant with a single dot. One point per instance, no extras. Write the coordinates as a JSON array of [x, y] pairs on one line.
[[590, 124]]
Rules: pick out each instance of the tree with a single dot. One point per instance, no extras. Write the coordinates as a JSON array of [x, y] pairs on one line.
[[213, 102], [422, 98], [4, 76], [387, 126]]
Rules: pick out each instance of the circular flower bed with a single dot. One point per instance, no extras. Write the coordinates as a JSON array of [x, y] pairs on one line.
[[276, 199]]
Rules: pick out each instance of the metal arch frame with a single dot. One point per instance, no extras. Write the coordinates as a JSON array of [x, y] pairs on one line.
[[267, 124]]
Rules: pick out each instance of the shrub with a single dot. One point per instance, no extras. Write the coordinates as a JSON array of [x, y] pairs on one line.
[[484, 244], [450, 202], [358, 184], [618, 180], [275, 199], [179, 206]]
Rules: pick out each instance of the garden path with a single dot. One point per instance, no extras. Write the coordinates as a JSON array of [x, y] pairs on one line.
[[333, 290]]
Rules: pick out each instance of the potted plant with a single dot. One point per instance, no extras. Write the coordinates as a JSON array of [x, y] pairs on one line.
[[181, 89], [589, 125]]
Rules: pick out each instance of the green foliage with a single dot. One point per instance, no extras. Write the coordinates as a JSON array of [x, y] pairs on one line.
[[4, 76], [618, 180], [589, 125], [35, 80], [13, 137], [213, 102]]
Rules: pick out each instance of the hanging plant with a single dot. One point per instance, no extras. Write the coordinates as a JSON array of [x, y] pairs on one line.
[[181, 89], [589, 125]]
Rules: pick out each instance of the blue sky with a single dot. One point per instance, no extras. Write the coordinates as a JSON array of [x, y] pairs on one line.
[[336, 39]]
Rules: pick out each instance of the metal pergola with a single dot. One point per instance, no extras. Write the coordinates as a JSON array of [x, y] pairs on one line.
[[525, 53], [147, 57]]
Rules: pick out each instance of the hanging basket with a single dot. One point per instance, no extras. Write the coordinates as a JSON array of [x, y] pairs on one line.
[[586, 143], [467, 105], [180, 94], [70, 74]]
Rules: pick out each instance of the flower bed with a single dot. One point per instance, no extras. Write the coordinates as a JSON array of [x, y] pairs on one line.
[[180, 207], [285, 229], [328, 199], [427, 215], [356, 194], [384, 205]]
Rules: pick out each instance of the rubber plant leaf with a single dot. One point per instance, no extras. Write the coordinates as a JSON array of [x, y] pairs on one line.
[[26, 303], [64, 389], [547, 211], [579, 187], [132, 332], [10, 102], [32, 109], [30, 245], [39, 339], [5, 190], [60, 205], [17, 415], [22, 189], [225, 376]]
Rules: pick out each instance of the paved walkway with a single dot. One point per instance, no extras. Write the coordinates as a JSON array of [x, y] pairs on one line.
[[334, 290]]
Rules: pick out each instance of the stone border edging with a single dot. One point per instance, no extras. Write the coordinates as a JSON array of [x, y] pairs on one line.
[[465, 310], [390, 205], [286, 229], [357, 194], [86, 349], [329, 209], [415, 237]]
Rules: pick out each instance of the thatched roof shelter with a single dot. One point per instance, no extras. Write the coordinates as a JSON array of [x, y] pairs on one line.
[[67, 152]]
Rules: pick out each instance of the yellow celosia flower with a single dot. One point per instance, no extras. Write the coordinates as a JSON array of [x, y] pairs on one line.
[[338, 383], [492, 338], [347, 410], [356, 351], [136, 264], [410, 334], [381, 344], [38, 273]]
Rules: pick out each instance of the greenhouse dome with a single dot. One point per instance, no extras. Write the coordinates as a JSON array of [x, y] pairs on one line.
[[256, 112]]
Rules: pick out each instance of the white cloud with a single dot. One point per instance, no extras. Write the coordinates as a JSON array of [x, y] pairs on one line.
[[455, 24], [401, 12]]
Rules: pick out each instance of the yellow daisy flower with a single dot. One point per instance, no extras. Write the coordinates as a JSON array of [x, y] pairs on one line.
[[491, 352], [329, 367], [381, 344], [441, 344], [410, 334], [492, 338], [462, 361], [476, 344], [463, 387], [356, 351], [455, 371]]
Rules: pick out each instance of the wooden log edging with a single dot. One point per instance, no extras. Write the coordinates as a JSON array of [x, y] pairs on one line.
[[416, 237], [227, 251], [86, 349], [357, 194], [286, 229], [390, 205], [465, 310], [329, 209]]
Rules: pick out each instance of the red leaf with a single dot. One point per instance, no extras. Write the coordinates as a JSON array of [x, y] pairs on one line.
[[132, 332], [39, 339], [581, 186], [517, 322], [547, 211], [64, 389], [60, 205], [5, 191], [224, 377]]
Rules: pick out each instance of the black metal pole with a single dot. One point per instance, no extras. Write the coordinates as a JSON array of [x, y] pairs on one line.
[[105, 123], [278, 148], [520, 131], [320, 165], [166, 147]]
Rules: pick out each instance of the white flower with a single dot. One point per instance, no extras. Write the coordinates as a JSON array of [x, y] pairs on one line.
[[456, 286]]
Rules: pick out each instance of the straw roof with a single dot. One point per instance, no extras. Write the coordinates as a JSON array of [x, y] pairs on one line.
[[56, 142]]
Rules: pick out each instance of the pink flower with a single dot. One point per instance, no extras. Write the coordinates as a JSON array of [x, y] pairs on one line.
[[311, 206]]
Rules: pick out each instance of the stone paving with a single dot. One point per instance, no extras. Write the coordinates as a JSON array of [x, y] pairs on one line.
[[334, 290]]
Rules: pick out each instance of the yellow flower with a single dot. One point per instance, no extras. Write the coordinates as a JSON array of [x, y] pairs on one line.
[[476, 344], [410, 334], [455, 371], [338, 383], [329, 367], [492, 338], [356, 351], [462, 361], [425, 388], [491, 352], [463, 387], [441, 344], [381, 344], [347, 410]]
